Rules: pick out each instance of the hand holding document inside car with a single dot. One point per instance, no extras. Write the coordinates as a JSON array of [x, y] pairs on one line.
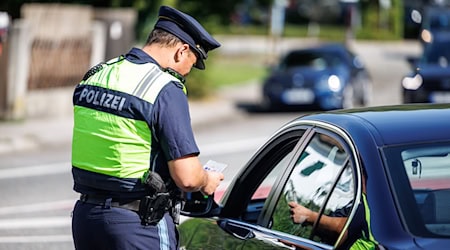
[[215, 166]]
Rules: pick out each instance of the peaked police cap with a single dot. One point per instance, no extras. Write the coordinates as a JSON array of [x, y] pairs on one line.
[[189, 31]]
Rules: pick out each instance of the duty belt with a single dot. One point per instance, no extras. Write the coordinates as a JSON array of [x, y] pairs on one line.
[[129, 204]]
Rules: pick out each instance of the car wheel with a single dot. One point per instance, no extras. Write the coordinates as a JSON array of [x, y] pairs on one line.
[[362, 90], [266, 103], [366, 94], [407, 98], [348, 100]]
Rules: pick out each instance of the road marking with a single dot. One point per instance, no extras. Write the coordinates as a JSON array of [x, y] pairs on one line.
[[38, 207], [36, 170], [36, 222], [232, 146], [36, 239], [65, 167]]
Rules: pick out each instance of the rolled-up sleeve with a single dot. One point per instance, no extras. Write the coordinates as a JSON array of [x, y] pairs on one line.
[[173, 124]]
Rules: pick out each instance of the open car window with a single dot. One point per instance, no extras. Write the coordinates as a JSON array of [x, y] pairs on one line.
[[251, 186], [264, 188]]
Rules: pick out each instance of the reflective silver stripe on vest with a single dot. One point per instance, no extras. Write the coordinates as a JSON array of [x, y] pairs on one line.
[[146, 81]]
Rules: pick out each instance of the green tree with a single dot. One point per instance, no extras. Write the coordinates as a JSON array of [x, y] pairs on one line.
[[379, 22]]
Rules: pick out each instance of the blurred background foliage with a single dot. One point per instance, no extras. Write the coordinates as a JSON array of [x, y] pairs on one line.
[[303, 18], [251, 16]]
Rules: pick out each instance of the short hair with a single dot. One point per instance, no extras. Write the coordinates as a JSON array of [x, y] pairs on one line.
[[159, 36]]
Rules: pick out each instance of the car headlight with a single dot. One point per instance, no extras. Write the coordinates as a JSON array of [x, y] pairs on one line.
[[416, 16], [412, 83], [426, 36], [334, 83]]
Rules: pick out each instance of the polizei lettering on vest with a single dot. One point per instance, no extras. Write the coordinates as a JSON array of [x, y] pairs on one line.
[[102, 99]]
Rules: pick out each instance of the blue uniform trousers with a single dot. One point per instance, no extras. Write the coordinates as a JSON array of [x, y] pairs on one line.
[[96, 227]]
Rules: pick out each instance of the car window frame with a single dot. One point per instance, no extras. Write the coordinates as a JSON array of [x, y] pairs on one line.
[[272, 198], [236, 207]]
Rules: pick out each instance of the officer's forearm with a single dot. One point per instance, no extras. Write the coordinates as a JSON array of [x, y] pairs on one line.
[[188, 174]]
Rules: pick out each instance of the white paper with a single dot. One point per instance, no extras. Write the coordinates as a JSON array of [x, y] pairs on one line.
[[215, 166]]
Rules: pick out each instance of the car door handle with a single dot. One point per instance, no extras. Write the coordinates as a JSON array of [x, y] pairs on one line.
[[236, 230]]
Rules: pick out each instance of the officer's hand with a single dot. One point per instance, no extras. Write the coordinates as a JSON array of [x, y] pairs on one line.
[[213, 181]]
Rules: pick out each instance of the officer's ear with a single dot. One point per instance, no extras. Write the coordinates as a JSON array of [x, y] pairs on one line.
[[183, 51]]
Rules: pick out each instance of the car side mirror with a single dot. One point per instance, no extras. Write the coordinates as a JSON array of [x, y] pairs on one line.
[[198, 205]]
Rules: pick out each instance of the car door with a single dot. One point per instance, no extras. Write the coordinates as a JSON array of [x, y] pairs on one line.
[[304, 164], [318, 173]]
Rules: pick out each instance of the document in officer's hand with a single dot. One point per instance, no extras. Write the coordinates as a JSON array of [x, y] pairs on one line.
[[215, 166]]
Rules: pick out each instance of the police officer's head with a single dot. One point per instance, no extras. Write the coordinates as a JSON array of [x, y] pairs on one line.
[[188, 30]]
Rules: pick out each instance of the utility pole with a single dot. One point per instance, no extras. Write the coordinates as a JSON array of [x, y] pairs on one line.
[[276, 26]]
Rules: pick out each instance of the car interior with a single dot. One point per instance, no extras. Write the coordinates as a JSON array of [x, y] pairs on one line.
[[429, 176]]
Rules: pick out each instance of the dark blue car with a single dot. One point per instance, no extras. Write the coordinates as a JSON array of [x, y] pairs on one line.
[[429, 79], [372, 178], [327, 76], [436, 19]]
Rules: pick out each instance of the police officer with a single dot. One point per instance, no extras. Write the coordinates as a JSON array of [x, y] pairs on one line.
[[132, 122]]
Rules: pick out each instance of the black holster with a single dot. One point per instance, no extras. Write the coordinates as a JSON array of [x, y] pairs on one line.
[[152, 208], [164, 198]]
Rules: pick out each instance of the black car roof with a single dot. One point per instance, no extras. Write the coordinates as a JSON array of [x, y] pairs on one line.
[[390, 125], [321, 48], [325, 48]]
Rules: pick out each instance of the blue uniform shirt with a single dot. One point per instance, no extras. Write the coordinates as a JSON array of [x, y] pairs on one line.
[[172, 133]]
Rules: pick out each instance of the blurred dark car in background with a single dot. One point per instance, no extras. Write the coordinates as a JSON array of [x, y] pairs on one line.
[[328, 76], [392, 162], [412, 17], [436, 19], [429, 80], [420, 17]]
